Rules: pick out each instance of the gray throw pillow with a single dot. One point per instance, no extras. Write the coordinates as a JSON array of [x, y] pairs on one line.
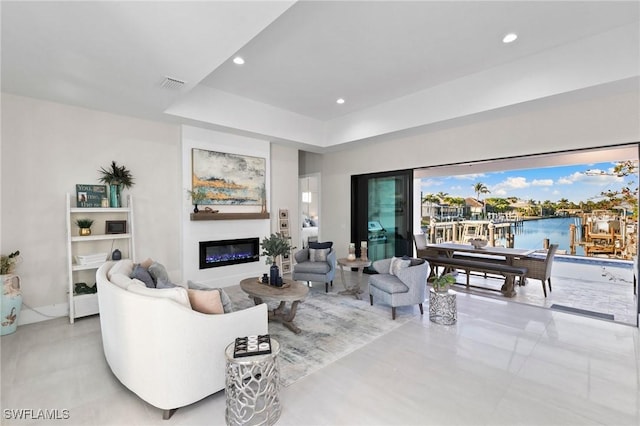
[[165, 284], [143, 275], [158, 272], [227, 304]]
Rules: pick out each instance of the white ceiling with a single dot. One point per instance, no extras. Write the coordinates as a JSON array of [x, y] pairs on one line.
[[399, 65]]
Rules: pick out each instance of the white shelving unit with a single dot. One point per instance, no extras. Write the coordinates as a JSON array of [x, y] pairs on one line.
[[81, 305]]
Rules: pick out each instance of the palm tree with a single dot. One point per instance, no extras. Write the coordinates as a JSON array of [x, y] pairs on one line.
[[442, 196], [481, 188]]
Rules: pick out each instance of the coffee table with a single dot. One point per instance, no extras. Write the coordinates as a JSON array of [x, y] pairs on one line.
[[291, 291], [357, 263]]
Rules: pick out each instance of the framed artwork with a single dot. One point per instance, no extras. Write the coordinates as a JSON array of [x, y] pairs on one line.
[[91, 195], [284, 224], [229, 179], [115, 227], [284, 214]]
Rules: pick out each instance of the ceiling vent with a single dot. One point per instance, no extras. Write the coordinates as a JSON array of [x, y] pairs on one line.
[[172, 83]]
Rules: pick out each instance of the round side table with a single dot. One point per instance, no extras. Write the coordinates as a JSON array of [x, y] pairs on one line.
[[442, 307], [252, 388]]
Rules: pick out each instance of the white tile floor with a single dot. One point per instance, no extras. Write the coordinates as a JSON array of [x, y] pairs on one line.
[[503, 363]]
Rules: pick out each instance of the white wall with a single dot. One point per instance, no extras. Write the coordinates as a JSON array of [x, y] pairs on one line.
[[535, 128], [48, 148]]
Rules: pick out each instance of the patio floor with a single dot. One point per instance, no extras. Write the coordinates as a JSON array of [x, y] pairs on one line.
[[599, 286]]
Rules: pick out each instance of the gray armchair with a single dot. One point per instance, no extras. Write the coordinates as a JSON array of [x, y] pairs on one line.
[[310, 270], [407, 287]]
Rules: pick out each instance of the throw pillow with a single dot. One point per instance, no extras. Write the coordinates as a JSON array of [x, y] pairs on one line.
[[177, 294], [227, 304], [165, 284], [146, 263], [397, 263], [205, 302], [158, 272], [316, 245], [143, 275], [318, 255]]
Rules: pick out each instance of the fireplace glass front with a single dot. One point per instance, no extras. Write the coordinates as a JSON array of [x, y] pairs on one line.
[[229, 252]]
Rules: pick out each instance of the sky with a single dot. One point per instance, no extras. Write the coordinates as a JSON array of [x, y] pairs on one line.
[[553, 183]]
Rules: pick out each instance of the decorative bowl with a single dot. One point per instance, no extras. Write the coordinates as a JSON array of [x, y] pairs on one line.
[[478, 243]]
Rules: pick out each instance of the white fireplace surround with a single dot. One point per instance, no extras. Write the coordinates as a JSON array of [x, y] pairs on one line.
[[208, 230]]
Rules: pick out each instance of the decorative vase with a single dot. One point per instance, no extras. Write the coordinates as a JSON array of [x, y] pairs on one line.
[[195, 208], [85, 232], [274, 274], [114, 195], [11, 303], [116, 255]]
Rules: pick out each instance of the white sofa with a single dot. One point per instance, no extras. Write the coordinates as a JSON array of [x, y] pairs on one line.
[[167, 354]]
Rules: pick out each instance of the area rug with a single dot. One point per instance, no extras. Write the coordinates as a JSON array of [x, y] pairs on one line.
[[332, 325], [582, 312]]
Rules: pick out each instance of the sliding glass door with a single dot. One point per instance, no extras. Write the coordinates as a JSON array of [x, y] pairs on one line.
[[382, 206]]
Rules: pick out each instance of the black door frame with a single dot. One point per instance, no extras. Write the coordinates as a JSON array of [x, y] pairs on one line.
[[360, 213]]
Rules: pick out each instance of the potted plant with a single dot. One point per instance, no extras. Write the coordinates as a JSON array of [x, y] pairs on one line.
[[8, 262], [443, 282], [273, 246], [85, 226], [117, 177], [11, 300], [197, 196]]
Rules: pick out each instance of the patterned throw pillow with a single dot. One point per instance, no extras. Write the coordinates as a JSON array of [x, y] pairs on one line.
[[318, 255], [398, 263]]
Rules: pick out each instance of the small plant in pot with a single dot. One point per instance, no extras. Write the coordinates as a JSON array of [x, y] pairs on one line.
[[8, 262], [85, 226], [443, 282], [197, 196], [273, 246]]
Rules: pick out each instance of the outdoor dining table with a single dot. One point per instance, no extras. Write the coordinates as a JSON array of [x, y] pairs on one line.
[[448, 249]]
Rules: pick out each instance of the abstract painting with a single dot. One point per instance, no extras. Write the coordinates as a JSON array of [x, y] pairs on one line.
[[229, 179]]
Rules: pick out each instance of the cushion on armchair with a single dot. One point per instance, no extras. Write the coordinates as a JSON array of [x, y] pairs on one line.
[[309, 267], [398, 263]]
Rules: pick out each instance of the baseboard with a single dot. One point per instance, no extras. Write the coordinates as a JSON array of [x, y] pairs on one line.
[[42, 313]]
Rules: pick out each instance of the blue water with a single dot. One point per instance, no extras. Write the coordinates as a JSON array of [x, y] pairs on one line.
[[532, 233]]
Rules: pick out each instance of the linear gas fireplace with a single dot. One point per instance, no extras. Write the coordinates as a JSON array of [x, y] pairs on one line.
[[229, 252]]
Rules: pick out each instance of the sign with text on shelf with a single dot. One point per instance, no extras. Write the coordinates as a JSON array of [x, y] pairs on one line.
[[91, 195]]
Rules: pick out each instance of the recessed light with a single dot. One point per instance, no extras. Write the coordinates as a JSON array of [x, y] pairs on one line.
[[340, 101], [510, 38], [238, 60]]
